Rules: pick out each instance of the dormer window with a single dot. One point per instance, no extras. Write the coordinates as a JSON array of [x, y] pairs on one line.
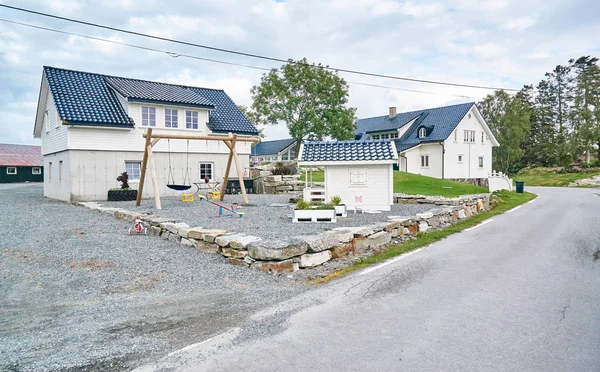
[[422, 133]]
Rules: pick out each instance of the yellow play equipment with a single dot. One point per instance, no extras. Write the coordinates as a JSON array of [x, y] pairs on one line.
[[187, 198]]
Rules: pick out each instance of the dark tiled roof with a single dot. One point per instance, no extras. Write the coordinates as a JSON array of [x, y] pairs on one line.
[[20, 155], [84, 98], [272, 147], [149, 91], [440, 123], [348, 151]]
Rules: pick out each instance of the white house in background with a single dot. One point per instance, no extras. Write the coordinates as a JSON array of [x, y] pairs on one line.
[[91, 128], [271, 151], [451, 142], [360, 172]]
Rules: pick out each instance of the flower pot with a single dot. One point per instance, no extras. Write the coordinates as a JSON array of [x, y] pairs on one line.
[[341, 210], [314, 215], [122, 195]]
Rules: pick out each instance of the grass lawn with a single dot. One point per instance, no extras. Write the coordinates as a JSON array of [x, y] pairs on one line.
[[316, 176], [545, 177], [408, 183], [506, 201]]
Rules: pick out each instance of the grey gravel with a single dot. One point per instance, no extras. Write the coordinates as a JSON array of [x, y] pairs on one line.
[[78, 292], [261, 217]]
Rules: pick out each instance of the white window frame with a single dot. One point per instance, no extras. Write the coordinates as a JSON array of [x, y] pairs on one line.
[[469, 136], [60, 171], [191, 119], [49, 172], [357, 177], [212, 170], [480, 162], [424, 161], [456, 135], [460, 158], [375, 136], [8, 171], [482, 134], [150, 116], [36, 170], [46, 121], [131, 171], [422, 132], [171, 118]]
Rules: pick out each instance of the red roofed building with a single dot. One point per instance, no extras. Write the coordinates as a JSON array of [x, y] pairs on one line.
[[21, 163]]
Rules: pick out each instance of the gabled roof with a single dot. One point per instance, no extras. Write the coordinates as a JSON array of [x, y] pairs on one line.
[[348, 151], [440, 122], [20, 155], [272, 147], [84, 98]]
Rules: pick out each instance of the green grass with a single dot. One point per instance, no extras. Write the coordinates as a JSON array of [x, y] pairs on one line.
[[505, 201], [546, 177], [408, 183], [316, 176]]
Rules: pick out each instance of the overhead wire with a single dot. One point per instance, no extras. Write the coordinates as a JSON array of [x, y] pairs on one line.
[[252, 55]]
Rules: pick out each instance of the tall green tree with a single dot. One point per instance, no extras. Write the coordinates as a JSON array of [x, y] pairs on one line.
[[309, 99], [585, 115], [508, 118], [538, 147], [251, 115]]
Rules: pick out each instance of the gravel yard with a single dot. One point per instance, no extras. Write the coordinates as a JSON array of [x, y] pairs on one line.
[[78, 292], [261, 218]]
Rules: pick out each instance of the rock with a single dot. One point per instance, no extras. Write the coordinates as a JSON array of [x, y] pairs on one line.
[[165, 234], [343, 250], [314, 259], [424, 215], [199, 232], [423, 226], [404, 231], [249, 260], [234, 253], [273, 178], [224, 240], [155, 230], [342, 236], [210, 237], [243, 241], [284, 188], [236, 261], [433, 222], [205, 247], [357, 231], [468, 211], [413, 229], [156, 221], [186, 243], [276, 267], [277, 250], [174, 237], [183, 231], [392, 225], [318, 243], [378, 239], [461, 214], [264, 173], [173, 227]]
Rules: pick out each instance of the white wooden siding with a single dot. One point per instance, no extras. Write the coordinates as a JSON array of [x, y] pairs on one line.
[[413, 160], [377, 193], [55, 139]]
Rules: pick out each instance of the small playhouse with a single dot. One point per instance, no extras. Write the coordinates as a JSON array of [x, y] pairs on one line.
[[360, 172]]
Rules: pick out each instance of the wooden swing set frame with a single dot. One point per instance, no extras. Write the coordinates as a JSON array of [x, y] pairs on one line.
[[153, 138]]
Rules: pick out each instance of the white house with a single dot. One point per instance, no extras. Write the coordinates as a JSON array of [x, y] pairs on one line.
[[271, 151], [451, 142], [360, 172], [91, 128]]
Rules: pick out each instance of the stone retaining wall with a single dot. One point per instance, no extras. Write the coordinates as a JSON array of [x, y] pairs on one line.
[[292, 254], [279, 184]]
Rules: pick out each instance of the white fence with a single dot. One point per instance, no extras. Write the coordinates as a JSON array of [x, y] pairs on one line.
[[499, 181], [314, 194]]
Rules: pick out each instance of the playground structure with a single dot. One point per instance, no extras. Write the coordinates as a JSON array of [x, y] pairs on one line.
[[222, 207], [148, 160]]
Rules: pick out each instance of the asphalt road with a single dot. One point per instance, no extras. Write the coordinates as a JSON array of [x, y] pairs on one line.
[[519, 293]]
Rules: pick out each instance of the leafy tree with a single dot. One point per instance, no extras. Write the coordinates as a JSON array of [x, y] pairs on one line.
[[310, 99], [508, 118], [538, 148], [586, 105], [252, 118]]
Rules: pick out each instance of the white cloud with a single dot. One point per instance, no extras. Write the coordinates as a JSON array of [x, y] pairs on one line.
[[521, 23], [489, 51], [385, 8], [421, 10]]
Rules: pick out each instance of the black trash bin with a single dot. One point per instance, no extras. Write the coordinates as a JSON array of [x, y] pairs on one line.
[[520, 186]]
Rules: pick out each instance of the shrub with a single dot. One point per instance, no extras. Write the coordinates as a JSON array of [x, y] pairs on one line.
[[124, 178], [302, 205], [336, 200], [324, 206], [282, 169]]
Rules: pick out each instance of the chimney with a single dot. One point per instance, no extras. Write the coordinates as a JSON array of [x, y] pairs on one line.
[[392, 112]]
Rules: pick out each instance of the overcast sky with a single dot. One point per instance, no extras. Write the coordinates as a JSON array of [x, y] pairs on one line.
[[504, 43]]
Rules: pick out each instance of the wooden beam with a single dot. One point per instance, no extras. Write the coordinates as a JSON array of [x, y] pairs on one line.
[[209, 138], [228, 144], [154, 141], [228, 168], [240, 173], [154, 180], [144, 164]]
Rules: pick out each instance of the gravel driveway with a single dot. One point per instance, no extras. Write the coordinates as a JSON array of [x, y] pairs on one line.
[[77, 292]]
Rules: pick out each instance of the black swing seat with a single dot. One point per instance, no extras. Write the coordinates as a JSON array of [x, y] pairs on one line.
[[179, 187]]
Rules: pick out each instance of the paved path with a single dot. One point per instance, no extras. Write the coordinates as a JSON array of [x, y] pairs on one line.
[[520, 293]]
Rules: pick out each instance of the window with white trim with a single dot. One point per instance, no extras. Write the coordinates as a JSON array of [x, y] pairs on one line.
[[422, 133], [481, 162], [424, 161], [456, 135], [375, 136], [358, 176], [134, 170], [460, 158], [170, 118], [191, 119], [148, 116], [49, 172], [469, 136], [46, 124], [206, 170], [482, 137], [11, 170], [60, 170], [36, 170]]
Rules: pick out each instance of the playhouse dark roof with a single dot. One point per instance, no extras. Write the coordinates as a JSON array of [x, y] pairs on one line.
[[20, 155], [271, 147], [84, 98], [348, 151], [440, 123]]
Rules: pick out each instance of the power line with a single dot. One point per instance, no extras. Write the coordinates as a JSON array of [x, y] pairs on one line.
[[175, 55], [230, 51]]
